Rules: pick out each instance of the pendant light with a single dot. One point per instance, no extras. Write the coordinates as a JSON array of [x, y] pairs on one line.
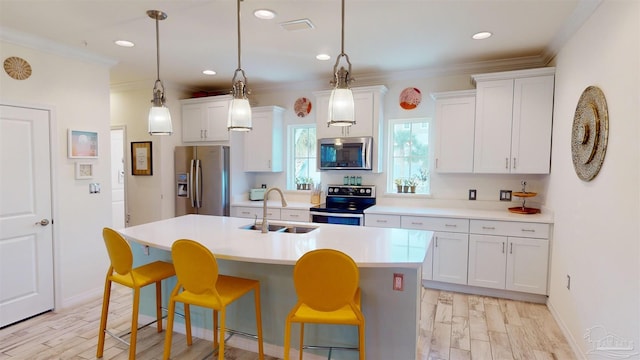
[[240, 110], [159, 115], [341, 106]]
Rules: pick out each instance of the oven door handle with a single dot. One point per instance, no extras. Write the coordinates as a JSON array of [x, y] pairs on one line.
[[359, 216]]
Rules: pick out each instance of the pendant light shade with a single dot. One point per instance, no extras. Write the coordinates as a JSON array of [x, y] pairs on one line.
[[240, 110], [159, 115], [341, 105]]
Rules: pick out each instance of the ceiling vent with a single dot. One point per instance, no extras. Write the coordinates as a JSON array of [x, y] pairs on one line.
[[295, 25]]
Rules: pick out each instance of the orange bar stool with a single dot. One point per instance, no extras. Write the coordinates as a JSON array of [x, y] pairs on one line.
[[200, 284], [326, 282], [121, 271]]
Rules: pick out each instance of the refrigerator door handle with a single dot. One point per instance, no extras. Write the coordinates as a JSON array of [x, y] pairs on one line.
[[192, 199], [198, 189]]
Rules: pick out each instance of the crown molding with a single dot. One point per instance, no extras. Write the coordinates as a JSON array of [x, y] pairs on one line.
[[37, 43]]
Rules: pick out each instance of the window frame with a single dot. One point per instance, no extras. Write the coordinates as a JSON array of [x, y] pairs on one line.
[[291, 174], [390, 187]]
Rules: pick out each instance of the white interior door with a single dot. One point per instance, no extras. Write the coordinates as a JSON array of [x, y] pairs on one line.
[[26, 235], [117, 178]]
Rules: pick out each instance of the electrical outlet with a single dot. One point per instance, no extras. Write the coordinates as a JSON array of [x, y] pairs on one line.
[[398, 282], [505, 195], [145, 250], [472, 194], [568, 282]]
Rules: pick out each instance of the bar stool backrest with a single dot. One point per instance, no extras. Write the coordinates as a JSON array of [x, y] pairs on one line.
[[119, 251], [196, 268], [326, 279]]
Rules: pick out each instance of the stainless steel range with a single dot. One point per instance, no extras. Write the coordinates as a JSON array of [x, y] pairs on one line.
[[344, 205]]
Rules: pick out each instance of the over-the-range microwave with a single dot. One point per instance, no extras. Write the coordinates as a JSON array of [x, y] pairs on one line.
[[345, 153]]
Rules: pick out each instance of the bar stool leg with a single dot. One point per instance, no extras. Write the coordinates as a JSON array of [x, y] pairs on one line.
[[256, 295], [134, 323], [301, 338], [215, 329], [159, 305], [103, 318], [168, 336], [187, 323], [223, 318]]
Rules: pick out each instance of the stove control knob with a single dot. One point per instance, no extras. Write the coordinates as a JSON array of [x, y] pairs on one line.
[[368, 191]]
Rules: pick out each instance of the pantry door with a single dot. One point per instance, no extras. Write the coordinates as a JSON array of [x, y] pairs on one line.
[[26, 229]]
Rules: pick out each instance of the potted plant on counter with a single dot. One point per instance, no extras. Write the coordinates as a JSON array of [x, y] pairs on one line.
[[398, 182], [300, 182], [410, 184]]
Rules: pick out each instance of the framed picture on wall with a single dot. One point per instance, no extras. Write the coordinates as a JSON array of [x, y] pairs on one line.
[[82, 144], [141, 158], [84, 170]]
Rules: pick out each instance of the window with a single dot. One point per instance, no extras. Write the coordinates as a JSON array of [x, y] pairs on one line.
[[408, 156], [303, 155]]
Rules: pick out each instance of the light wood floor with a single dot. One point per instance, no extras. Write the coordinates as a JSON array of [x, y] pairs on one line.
[[452, 326]]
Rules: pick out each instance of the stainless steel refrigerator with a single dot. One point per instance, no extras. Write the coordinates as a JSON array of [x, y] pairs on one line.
[[202, 180]]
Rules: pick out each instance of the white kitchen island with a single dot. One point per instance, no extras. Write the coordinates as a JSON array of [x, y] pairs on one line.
[[392, 316]]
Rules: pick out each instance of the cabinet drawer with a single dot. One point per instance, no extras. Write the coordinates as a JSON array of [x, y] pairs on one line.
[[510, 228], [247, 212], [387, 221], [273, 214], [294, 215], [435, 224]]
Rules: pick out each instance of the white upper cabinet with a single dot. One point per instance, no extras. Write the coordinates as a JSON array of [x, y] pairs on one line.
[[455, 116], [368, 113], [263, 144], [205, 119], [513, 121]]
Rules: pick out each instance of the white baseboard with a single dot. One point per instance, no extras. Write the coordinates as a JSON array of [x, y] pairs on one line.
[[476, 290], [236, 341], [79, 299], [565, 331]]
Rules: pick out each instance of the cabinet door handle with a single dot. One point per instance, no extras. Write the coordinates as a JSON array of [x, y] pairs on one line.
[[201, 134], [506, 163], [245, 212], [503, 247], [488, 228], [511, 248], [294, 215], [381, 221], [450, 225], [436, 163], [416, 223], [206, 133], [528, 230], [436, 241], [514, 163]]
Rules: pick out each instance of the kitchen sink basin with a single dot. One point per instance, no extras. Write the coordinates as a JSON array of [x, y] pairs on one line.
[[272, 227], [298, 229], [293, 229]]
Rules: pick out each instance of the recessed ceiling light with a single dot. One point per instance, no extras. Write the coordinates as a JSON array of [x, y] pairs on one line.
[[208, 72], [264, 14], [482, 35], [323, 57], [124, 43]]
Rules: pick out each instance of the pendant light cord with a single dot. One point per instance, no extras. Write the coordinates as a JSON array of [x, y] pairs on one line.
[[157, 49], [238, 23], [342, 48]]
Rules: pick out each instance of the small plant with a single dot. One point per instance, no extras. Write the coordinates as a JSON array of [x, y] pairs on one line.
[[398, 181], [412, 181]]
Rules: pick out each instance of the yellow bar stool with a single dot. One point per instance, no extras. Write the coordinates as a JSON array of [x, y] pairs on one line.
[[121, 271], [326, 282], [200, 284]]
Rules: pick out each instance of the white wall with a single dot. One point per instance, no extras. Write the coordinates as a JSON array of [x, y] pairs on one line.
[[78, 93], [596, 232]]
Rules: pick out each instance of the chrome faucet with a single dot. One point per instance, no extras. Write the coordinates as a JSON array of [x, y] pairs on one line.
[[265, 223]]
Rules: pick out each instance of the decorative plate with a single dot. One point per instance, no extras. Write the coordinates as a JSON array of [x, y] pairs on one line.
[[17, 68], [410, 98], [590, 133], [302, 107]]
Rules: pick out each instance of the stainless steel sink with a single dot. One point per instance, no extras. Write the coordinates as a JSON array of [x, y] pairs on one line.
[[298, 229], [293, 229]]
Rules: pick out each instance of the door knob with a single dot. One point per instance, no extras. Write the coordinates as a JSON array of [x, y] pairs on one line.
[[43, 222]]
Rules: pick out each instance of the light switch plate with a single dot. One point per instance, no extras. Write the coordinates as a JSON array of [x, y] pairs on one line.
[[505, 195]]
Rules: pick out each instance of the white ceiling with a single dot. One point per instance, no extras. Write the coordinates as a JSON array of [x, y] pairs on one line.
[[381, 36]]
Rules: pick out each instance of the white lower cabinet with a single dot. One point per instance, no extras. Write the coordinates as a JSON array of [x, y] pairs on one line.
[[272, 213], [515, 263], [450, 257]]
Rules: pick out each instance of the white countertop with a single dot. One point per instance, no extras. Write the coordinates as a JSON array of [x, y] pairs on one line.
[[368, 246], [500, 215]]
